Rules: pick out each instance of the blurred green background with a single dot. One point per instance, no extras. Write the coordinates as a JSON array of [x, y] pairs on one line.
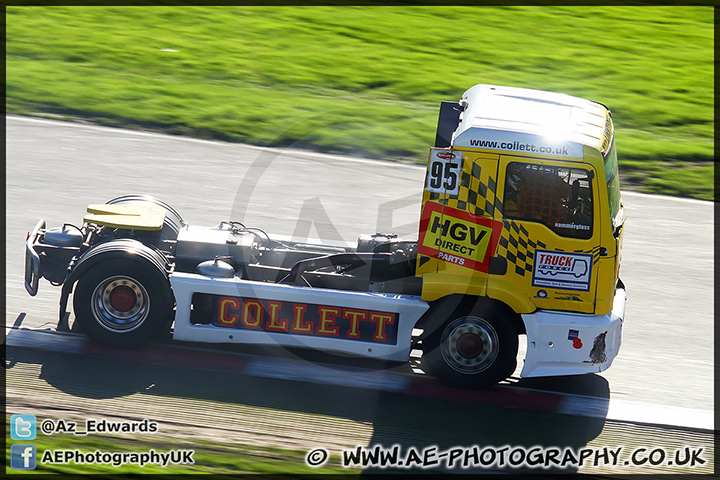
[[368, 81]]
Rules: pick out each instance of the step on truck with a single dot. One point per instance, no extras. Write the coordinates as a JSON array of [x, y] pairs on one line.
[[520, 234]]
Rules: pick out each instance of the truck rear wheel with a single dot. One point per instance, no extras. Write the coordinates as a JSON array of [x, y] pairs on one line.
[[122, 303], [474, 348]]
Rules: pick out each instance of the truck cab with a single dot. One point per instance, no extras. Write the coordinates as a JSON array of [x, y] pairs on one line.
[[522, 206]]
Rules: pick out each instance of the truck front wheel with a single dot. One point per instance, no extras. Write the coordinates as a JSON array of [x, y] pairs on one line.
[[122, 303], [472, 349]]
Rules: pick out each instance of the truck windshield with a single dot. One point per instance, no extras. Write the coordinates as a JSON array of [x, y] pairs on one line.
[[613, 182]]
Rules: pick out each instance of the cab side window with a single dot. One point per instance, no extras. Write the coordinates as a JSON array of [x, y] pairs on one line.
[[559, 197]]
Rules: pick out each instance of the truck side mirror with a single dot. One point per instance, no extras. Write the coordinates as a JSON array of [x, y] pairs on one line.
[[447, 123]]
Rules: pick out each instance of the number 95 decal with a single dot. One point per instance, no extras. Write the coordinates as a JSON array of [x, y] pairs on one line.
[[444, 172]]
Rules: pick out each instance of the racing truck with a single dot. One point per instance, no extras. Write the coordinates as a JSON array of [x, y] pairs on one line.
[[520, 234]]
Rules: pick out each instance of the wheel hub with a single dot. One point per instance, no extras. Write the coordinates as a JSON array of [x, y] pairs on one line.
[[123, 298], [120, 304], [470, 345]]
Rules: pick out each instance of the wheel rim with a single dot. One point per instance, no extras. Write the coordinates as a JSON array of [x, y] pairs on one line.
[[120, 304], [469, 345]]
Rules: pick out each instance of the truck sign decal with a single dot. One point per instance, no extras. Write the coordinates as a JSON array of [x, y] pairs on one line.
[[568, 271], [458, 237], [305, 319]]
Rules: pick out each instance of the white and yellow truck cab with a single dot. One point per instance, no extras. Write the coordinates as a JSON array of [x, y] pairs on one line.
[[522, 207], [520, 234]]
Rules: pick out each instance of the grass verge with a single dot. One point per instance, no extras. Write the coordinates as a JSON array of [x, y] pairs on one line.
[[367, 81]]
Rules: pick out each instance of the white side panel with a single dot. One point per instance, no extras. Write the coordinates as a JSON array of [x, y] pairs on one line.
[[561, 343], [512, 141], [409, 308]]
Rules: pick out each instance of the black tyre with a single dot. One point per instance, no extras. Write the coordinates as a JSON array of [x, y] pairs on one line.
[[474, 348], [123, 303]]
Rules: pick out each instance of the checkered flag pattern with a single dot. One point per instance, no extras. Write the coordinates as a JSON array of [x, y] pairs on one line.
[[479, 186], [516, 246]]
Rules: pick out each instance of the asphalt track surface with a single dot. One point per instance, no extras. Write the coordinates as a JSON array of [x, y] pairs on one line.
[[55, 169]]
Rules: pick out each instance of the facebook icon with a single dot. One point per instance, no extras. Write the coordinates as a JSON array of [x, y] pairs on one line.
[[23, 457]]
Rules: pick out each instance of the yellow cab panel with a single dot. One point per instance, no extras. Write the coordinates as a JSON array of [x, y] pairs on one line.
[[521, 204], [550, 241], [458, 232]]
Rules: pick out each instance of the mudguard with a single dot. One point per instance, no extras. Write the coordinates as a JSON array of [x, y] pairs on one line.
[[118, 248]]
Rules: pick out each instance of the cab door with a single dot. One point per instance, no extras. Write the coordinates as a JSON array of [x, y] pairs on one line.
[[458, 233], [550, 237]]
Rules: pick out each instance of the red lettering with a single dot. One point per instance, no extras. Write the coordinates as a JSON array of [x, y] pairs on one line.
[[298, 326], [223, 317], [355, 316], [273, 316], [250, 320], [326, 325], [381, 319], [276, 324]]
